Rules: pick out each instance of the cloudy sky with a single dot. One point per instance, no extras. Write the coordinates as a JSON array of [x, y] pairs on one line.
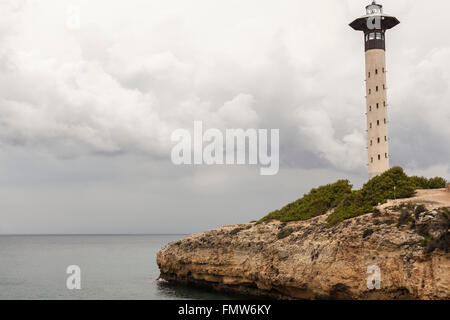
[[86, 113]]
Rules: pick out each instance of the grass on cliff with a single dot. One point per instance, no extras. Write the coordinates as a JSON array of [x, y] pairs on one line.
[[348, 203]]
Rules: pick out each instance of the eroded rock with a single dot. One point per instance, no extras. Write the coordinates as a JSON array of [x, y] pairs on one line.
[[311, 260]]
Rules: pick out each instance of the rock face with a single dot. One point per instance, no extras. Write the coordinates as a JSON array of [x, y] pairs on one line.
[[409, 244]]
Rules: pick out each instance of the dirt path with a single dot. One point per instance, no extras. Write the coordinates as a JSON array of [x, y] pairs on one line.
[[435, 198]]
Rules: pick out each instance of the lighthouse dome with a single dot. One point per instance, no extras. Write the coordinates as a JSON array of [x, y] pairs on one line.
[[374, 8]]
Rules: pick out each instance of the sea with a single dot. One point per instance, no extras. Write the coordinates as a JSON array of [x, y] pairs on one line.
[[106, 266]]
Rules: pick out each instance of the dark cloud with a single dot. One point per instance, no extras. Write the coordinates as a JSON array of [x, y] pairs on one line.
[[87, 114]]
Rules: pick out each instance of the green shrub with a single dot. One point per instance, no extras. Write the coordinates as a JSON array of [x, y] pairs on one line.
[[352, 205], [376, 191], [419, 182], [317, 202], [348, 203], [437, 183], [442, 243], [424, 183], [427, 239]]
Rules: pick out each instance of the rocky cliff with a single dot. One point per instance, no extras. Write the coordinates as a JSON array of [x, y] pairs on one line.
[[406, 240]]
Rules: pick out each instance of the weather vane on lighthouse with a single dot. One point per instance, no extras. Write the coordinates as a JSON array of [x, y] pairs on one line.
[[374, 25]]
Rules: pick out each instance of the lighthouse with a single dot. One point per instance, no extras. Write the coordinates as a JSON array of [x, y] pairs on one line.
[[374, 25]]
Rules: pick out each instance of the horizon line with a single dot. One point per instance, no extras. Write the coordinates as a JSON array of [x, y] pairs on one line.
[[94, 234]]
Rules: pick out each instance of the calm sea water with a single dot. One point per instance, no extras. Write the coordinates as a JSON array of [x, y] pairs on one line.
[[112, 267]]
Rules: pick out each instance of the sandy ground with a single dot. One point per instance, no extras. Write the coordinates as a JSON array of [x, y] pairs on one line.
[[435, 198]]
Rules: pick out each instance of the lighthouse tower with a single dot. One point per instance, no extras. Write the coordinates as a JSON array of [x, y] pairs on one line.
[[374, 25]]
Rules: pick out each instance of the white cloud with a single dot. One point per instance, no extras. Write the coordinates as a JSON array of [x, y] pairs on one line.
[[238, 113], [138, 69], [316, 128], [132, 74]]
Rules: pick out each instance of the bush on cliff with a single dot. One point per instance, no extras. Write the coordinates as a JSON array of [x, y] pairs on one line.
[[424, 183], [348, 203], [374, 192], [437, 183], [317, 202], [419, 182]]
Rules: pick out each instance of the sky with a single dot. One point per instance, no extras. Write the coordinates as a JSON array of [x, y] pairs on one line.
[[87, 110]]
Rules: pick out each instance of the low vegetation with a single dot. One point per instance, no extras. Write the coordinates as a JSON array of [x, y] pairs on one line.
[[393, 183], [443, 242], [424, 183], [410, 216], [317, 202], [347, 204]]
